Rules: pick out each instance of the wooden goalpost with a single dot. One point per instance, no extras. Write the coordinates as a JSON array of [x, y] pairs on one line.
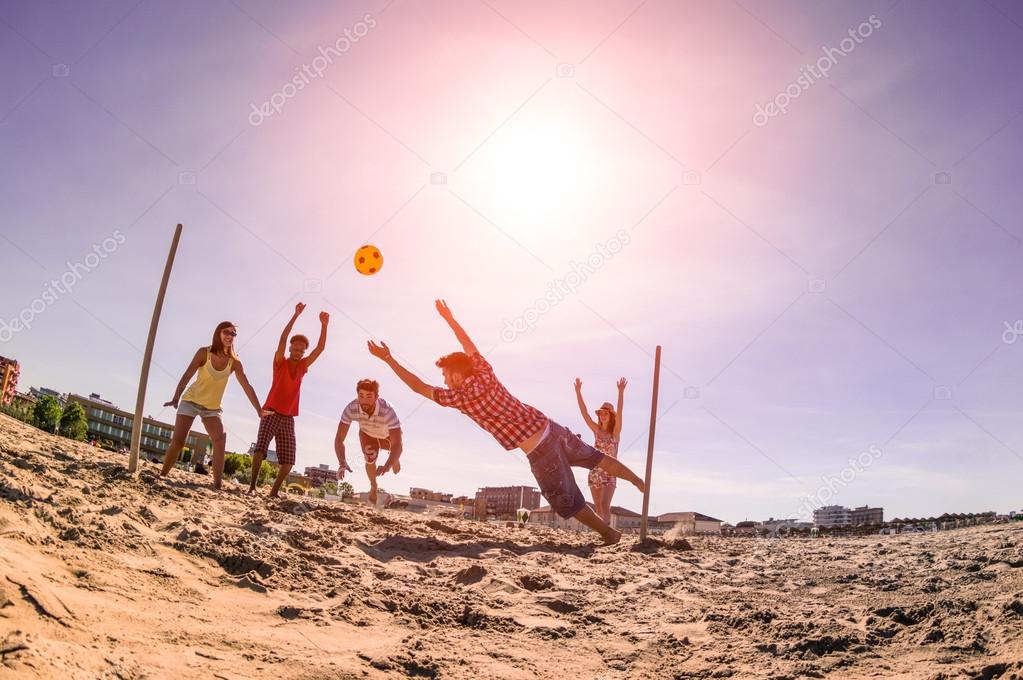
[[140, 401], [650, 444]]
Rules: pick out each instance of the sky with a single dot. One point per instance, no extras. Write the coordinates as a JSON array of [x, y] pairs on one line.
[[812, 207]]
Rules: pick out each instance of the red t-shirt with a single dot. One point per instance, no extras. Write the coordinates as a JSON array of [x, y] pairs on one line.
[[283, 396]]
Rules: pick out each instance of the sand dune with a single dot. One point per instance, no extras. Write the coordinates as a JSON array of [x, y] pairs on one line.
[[105, 576]]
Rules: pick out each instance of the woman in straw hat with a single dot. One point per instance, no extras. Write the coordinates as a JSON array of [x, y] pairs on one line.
[[606, 432]]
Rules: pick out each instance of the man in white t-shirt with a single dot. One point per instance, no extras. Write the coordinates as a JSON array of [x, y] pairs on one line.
[[378, 429]]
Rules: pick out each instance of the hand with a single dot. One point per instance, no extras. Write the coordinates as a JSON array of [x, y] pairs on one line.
[[342, 467], [324, 318], [263, 412], [381, 351], [299, 308], [578, 385], [173, 403], [622, 382], [444, 310]]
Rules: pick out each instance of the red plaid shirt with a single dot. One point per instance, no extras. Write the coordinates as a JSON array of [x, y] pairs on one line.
[[483, 398]]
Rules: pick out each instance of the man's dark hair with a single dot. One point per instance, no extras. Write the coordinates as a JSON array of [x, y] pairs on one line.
[[368, 385], [459, 362], [301, 338]]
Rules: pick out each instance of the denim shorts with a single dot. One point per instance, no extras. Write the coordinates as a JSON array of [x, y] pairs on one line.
[[192, 410], [551, 463]]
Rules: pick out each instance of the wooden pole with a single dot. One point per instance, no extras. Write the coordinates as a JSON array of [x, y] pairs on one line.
[[140, 401], [650, 444]]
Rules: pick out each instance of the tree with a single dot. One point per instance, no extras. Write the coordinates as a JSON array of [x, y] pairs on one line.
[[267, 473], [46, 414], [346, 490], [73, 423], [329, 488], [233, 462]]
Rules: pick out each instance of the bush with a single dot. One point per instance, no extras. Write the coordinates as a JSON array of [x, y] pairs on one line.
[[233, 462]]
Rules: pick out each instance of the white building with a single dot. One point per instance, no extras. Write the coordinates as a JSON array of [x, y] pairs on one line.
[[832, 516], [622, 519]]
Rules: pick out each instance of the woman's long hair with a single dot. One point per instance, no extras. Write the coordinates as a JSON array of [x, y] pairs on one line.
[[217, 346]]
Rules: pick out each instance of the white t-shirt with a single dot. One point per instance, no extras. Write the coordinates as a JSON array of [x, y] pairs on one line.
[[378, 425]]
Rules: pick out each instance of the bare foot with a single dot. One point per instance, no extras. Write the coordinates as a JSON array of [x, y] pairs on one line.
[[373, 495], [611, 537]]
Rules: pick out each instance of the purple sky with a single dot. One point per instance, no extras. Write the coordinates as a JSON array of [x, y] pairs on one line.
[[825, 280]]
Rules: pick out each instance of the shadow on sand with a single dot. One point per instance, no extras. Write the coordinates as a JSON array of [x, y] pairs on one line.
[[426, 549]]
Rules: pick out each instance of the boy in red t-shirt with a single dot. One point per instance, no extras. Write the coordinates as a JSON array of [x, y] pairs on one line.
[[282, 401]]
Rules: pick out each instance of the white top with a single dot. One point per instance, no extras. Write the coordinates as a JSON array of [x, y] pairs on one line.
[[378, 425]]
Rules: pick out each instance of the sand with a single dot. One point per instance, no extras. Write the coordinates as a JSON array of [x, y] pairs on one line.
[[106, 576]]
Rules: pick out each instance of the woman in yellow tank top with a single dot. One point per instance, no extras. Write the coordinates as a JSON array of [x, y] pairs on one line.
[[215, 365]]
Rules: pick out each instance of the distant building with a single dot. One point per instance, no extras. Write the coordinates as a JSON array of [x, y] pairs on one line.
[[271, 456], [107, 422], [832, 516], [867, 516], [38, 393], [622, 519], [321, 474], [690, 522], [746, 528], [503, 501], [780, 527], [9, 373], [427, 495]]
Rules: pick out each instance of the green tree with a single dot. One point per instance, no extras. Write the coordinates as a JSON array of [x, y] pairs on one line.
[[329, 488], [233, 462], [46, 414], [267, 473], [346, 490], [73, 423]]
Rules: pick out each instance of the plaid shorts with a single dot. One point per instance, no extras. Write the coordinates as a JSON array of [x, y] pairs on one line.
[[282, 430]]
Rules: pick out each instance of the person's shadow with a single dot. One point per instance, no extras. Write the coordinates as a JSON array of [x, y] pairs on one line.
[[425, 549]]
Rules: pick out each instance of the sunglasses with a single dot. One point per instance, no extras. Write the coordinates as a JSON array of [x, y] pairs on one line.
[[232, 334]]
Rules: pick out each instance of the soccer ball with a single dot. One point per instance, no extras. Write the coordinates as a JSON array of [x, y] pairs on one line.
[[368, 260]]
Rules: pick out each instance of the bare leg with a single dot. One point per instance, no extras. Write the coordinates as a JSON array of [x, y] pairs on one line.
[[597, 492], [590, 519], [609, 492], [182, 424], [371, 472], [282, 474], [615, 468], [215, 428], [257, 461]]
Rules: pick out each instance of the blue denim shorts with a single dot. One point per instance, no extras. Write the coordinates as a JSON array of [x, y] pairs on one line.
[[551, 463]]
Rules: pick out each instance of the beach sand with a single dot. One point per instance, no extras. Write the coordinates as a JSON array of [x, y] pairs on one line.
[[106, 576]]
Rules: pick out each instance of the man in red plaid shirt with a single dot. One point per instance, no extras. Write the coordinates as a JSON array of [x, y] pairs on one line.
[[552, 449]]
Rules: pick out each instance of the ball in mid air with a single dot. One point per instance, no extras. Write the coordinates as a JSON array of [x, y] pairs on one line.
[[368, 260]]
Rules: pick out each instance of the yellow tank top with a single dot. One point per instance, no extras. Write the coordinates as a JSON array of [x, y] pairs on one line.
[[208, 388]]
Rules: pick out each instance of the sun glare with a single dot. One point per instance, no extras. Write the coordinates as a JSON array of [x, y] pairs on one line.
[[536, 176]]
